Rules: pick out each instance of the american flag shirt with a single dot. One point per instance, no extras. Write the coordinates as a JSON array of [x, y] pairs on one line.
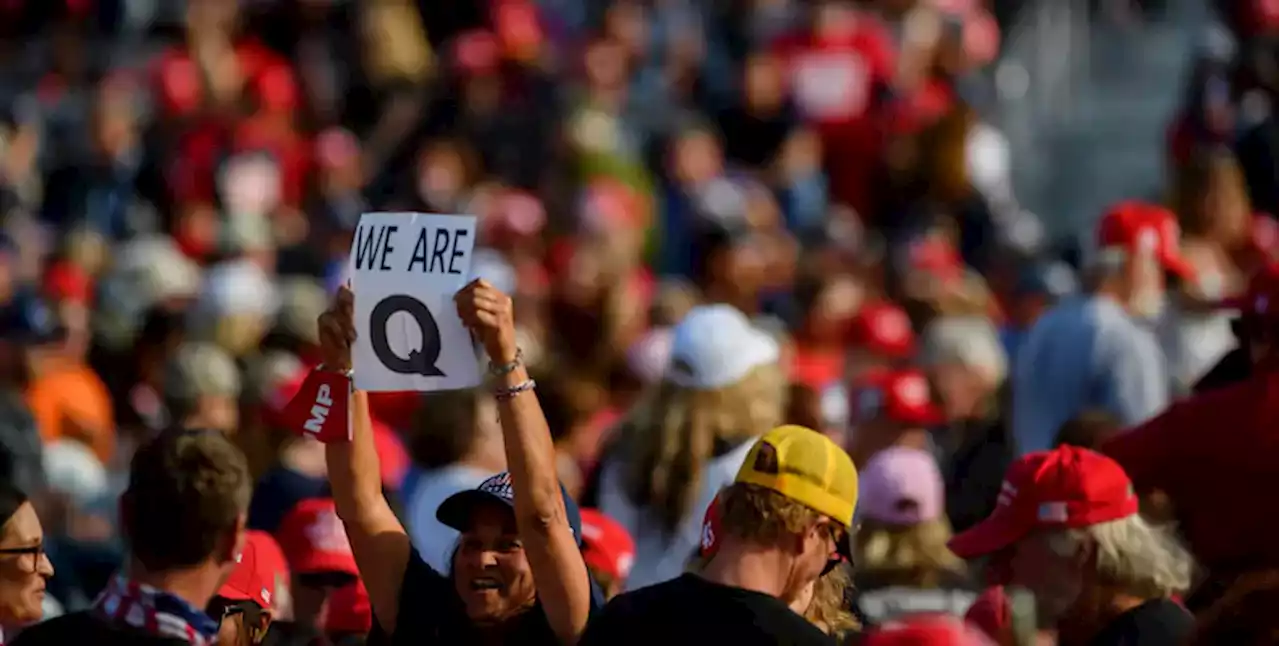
[[154, 611]]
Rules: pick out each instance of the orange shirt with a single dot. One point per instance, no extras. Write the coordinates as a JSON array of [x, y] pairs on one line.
[[73, 403]]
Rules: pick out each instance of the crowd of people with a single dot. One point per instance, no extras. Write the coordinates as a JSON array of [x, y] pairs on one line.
[[774, 355]]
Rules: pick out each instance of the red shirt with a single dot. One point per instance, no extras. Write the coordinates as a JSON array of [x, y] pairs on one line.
[[834, 82], [1214, 455], [268, 79], [834, 77]]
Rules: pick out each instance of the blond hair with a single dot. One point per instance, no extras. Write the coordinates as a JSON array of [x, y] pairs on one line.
[[673, 431], [829, 609], [762, 516], [912, 555], [1133, 555]]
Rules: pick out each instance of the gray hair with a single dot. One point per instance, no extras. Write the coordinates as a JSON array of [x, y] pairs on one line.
[[969, 341], [1140, 558]]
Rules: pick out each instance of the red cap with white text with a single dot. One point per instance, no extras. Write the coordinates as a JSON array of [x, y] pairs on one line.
[[1066, 487], [314, 539]]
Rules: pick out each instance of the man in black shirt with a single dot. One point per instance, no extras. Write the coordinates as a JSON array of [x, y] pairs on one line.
[[183, 515], [784, 522]]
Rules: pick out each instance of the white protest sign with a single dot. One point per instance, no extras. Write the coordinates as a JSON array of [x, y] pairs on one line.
[[405, 269]]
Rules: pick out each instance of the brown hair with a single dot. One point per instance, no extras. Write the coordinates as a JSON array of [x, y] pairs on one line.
[[762, 516], [1196, 180], [1088, 429], [672, 434], [187, 489], [829, 607], [943, 165]]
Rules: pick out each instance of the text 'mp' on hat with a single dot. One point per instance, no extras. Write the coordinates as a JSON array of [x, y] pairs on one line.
[[455, 511], [807, 467], [1065, 487], [715, 346]]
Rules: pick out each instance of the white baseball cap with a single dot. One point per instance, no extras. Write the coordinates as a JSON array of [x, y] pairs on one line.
[[715, 346]]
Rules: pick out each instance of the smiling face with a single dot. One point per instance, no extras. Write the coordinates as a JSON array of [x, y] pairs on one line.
[[490, 571], [23, 567]]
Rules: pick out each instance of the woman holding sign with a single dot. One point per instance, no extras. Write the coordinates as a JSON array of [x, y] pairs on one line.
[[517, 575]]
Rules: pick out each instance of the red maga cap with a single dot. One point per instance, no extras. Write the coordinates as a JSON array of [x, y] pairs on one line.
[[251, 580], [901, 396], [314, 539], [1066, 487], [883, 329], [606, 544]]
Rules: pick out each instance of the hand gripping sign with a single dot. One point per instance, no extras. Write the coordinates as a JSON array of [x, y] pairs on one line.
[[405, 269]]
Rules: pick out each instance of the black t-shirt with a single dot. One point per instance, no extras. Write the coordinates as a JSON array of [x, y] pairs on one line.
[[1159, 622], [431, 613], [287, 633], [86, 628], [691, 610]]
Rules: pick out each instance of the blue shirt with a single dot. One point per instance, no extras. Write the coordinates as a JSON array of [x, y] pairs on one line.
[[1086, 353]]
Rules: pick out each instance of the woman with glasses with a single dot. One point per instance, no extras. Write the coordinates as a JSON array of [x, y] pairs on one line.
[[23, 564]]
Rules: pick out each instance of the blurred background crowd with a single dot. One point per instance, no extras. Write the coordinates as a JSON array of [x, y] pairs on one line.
[[894, 188]]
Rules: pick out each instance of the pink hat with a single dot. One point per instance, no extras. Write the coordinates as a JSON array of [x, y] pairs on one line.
[[901, 486]]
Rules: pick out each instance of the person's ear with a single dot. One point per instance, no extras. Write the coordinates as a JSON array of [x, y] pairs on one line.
[[234, 542]]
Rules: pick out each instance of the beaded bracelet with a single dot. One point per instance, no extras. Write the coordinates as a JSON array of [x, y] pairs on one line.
[[505, 369], [504, 394], [348, 373]]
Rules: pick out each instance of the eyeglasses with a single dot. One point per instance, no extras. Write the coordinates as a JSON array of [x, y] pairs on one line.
[[224, 609], [840, 537], [35, 552]]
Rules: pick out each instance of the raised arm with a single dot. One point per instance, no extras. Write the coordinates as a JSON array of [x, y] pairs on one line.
[[549, 543], [379, 542]]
